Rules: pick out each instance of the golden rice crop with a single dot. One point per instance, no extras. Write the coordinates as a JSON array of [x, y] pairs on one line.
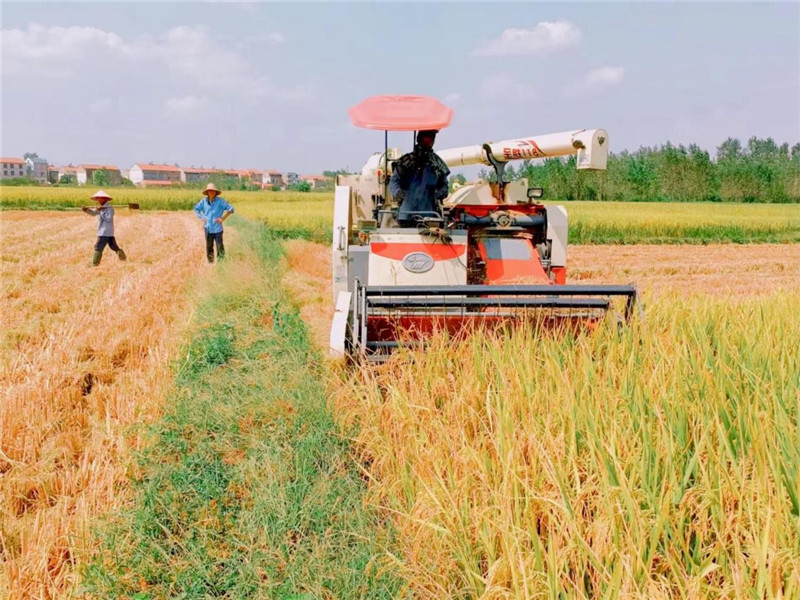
[[662, 461], [596, 222], [303, 217], [654, 215], [298, 214], [148, 198], [86, 352]]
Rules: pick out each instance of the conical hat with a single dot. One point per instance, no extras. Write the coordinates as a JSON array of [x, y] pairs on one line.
[[100, 194]]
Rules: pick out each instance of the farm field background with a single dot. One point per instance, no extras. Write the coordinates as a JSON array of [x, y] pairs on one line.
[[309, 215], [661, 462]]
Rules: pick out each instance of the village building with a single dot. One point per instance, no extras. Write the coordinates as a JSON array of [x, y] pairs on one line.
[[252, 176], [36, 169], [195, 174], [68, 171], [272, 179], [85, 174], [151, 175], [12, 167], [52, 174], [315, 181], [291, 178]]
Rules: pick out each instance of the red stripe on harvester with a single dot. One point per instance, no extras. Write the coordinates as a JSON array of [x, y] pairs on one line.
[[435, 251]]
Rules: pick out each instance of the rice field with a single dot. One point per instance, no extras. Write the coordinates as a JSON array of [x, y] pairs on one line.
[[59, 198], [86, 353], [662, 461], [309, 215], [659, 462], [596, 222]]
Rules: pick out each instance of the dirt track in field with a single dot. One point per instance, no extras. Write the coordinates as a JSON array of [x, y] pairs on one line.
[[719, 270]]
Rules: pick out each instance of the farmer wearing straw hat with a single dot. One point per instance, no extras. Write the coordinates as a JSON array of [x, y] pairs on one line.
[[213, 210], [105, 227]]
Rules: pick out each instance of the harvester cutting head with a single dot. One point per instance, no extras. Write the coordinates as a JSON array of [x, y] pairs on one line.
[[492, 255]]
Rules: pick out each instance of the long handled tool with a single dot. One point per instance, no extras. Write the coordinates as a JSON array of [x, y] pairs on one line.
[[130, 205]]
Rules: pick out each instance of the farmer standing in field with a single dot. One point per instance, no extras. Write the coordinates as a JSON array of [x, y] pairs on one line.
[[105, 228], [213, 210]]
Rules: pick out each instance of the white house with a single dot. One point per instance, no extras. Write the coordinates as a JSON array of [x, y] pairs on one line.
[[315, 181], [36, 168], [144, 174], [86, 173], [272, 179]]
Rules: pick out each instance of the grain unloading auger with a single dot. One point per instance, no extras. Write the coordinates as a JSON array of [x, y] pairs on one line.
[[495, 256]]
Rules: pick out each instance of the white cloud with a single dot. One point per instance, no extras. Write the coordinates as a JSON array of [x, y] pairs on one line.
[[185, 105], [451, 98], [546, 36], [504, 87], [191, 52], [605, 76], [100, 105], [56, 49], [275, 37], [597, 79]]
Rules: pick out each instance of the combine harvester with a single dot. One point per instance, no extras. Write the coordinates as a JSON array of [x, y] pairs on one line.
[[496, 255]]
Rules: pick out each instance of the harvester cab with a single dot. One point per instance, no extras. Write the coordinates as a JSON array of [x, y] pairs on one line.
[[494, 254]]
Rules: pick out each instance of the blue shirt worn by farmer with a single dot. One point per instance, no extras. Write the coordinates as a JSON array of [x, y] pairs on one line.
[[211, 211]]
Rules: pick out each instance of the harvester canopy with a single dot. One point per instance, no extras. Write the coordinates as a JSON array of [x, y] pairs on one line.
[[401, 113]]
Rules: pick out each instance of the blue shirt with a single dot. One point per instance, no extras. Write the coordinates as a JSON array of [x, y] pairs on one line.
[[212, 210]]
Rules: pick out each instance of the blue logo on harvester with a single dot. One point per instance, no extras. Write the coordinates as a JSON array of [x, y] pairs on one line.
[[418, 262]]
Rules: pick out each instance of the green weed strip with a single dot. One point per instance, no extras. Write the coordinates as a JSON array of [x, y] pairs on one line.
[[245, 489]]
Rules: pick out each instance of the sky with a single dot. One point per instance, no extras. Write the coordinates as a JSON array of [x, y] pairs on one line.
[[268, 85]]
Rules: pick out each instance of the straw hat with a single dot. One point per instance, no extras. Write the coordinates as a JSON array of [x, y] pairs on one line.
[[100, 194], [210, 188]]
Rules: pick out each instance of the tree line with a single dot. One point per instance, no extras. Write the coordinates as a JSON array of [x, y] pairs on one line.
[[760, 171]]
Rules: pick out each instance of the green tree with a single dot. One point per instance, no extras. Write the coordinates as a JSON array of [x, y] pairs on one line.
[[300, 186], [333, 174], [643, 176], [458, 179], [101, 177]]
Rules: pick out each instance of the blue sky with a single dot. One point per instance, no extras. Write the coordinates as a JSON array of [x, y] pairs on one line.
[[267, 85]]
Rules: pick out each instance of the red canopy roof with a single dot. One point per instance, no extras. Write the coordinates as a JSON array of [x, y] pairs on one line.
[[401, 113]]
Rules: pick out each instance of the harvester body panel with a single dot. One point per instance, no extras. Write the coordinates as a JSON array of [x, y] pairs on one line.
[[406, 257]]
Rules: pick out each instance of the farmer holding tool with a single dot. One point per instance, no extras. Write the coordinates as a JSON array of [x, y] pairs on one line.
[[213, 210], [105, 227]]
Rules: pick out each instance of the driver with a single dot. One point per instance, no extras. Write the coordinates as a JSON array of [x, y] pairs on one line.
[[419, 180]]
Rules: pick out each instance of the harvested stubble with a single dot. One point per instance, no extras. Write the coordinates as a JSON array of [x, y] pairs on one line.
[[659, 462], [86, 352]]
